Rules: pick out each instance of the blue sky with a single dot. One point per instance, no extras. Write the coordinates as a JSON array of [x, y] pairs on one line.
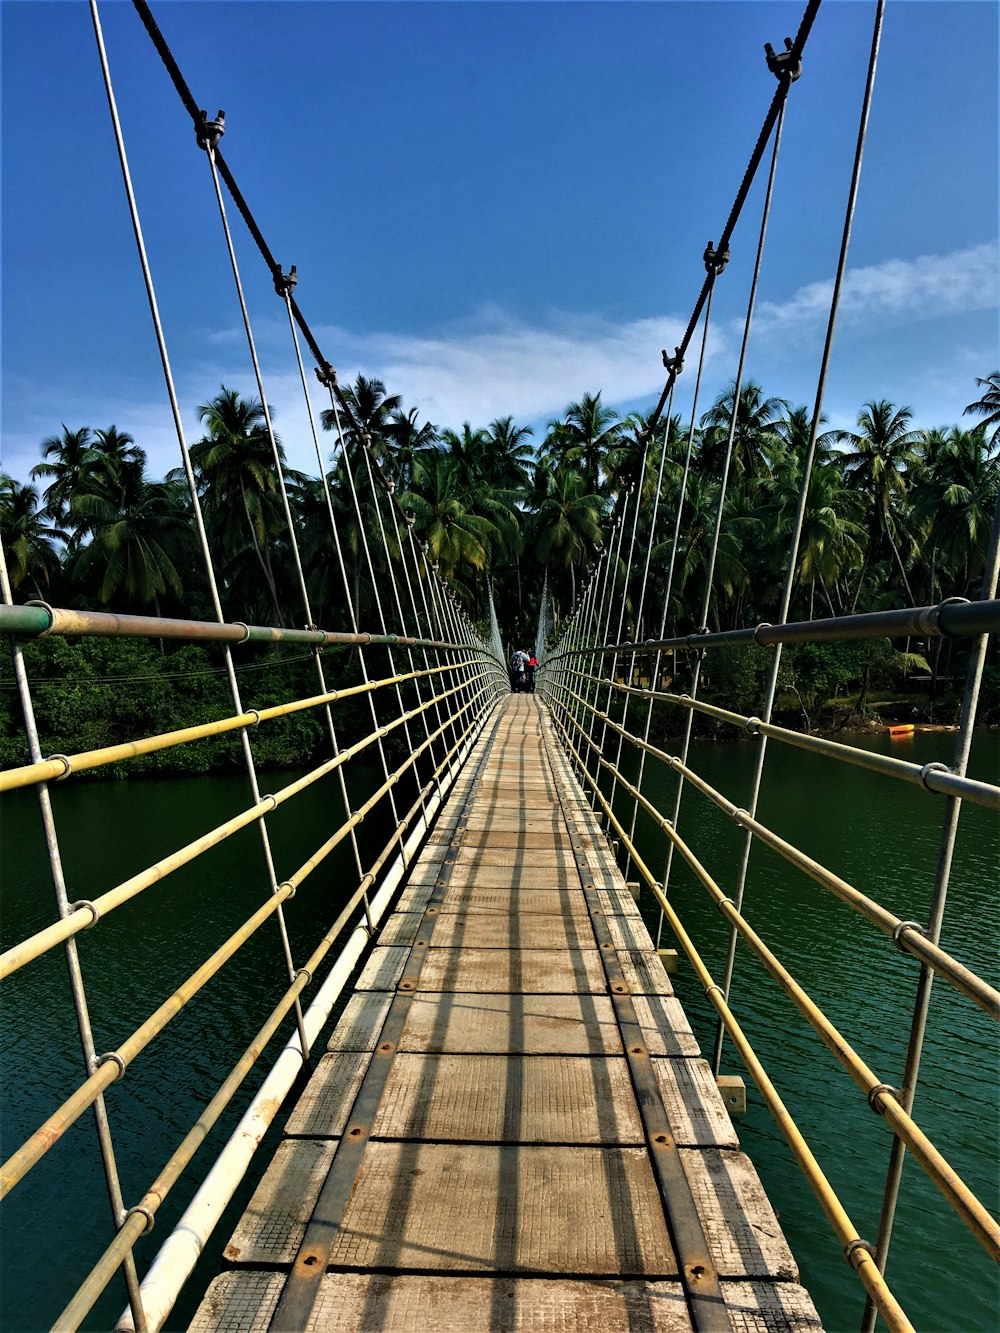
[[495, 207]]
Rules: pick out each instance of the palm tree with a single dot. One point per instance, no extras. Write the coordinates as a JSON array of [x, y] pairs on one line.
[[468, 450], [68, 460], [454, 535], [136, 540], [568, 525], [757, 439], [586, 434], [988, 406], [375, 412], [955, 499], [409, 441], [28, 538], [881, 451], [235, 468], [508, 455]]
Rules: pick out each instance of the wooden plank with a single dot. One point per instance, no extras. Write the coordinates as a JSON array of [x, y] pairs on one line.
[[505, 1180], [244, 1301]]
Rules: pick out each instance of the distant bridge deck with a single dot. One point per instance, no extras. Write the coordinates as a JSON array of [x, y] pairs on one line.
[[513, 1127]]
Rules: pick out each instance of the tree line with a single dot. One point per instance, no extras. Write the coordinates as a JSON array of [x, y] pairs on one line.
[[894, 514]]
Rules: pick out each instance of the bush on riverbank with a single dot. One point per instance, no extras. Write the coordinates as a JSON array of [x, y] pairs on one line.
[[92, 693]]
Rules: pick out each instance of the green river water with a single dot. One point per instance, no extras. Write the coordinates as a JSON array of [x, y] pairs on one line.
[[878, 834]]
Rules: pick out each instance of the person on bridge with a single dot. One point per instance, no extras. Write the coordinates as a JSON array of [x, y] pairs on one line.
[[529, 671], [518, 665]]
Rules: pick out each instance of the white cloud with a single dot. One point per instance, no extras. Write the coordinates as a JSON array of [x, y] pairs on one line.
[[884, 295], [492, 364], [495, 365]]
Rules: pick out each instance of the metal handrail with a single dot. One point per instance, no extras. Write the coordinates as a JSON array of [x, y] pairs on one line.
[[63, 766], [86, 915], [905, 935], [931, 777], [140, 1218]]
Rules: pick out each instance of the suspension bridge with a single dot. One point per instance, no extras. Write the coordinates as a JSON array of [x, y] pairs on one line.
[[494, 1111]]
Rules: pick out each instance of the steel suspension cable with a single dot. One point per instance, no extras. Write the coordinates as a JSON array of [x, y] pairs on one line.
[[784, 82], [939, 898], [284, 290], [345, 457], [715, 262], [78, 990], [210, 145], [799, 521]]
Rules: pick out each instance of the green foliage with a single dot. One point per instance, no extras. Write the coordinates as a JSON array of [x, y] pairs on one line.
[[92, 693]]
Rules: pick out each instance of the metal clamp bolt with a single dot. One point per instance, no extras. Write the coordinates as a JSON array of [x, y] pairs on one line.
[[715, 260], [782, 64], [255, 714], [63, 759], [876, 1093], [287, 884], [115, 1058], [245, 628], [764, 624], [857, 1244], [141, 1211], [284, 283], [95, 911], [935, 766], [51, 613], [209, 132], [675, 363], [722, 902], [304, 972], [900, 929]]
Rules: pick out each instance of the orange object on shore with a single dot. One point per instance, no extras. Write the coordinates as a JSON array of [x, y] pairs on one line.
[[905, 729]]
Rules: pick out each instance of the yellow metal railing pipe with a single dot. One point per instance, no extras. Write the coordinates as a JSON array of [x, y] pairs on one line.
[[932, 777], [87, 915], [881, 1097], [113, 1066], [62, 766], [857, 1255], [905, 934], [139, 1220]]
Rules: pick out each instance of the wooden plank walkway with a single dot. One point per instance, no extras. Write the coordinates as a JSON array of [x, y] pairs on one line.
[[512, 1127]]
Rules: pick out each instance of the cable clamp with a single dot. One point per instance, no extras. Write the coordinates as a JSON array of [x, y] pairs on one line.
[[209, 132], [64, 759], [715, 260], [752, 725], [141, 1211], [52, 616], [741, 817], [115, 1058], [936, 613], [255, 714], [935, 766], [326, 375], [287, 884], [245, 628], [782, 64], [764, 624], [876, 1093], [900, 929], [722, 902], [284, 283], [675, 363], [857, 1244], [714, 987], [95, 911], [304, 972]]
